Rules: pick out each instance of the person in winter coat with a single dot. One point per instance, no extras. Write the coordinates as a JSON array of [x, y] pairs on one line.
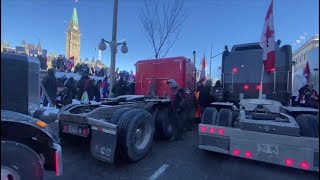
[[299, 81], [105, 90], [191, 105], [308, 96], [70, 83], [68, 65], [90, 88], [178, 100], [64, 98], [97, 93], [217, 92], [82, 82], [54, 63], [132, 88], [42, 63], [60, 63], [121, 87], [50, 84], [204, 96]]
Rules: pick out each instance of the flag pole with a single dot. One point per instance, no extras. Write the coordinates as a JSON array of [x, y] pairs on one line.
[[210, 60], [260, 91]]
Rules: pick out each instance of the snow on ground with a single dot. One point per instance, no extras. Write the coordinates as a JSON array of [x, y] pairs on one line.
[[75, 76]]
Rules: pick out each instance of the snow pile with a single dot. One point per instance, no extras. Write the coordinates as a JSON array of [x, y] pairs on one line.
[[50, 110], [75, 76], [74, 101], [94, 102]]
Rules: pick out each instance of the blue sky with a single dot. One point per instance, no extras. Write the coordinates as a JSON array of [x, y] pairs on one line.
[[222, 22]]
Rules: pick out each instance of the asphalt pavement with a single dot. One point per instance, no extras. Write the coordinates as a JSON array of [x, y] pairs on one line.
[[172, 160]]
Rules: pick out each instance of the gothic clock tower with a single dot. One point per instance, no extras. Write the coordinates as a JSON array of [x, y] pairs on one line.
[[73, 38]]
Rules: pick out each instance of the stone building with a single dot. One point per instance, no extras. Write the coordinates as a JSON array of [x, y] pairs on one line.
[[73, 38]]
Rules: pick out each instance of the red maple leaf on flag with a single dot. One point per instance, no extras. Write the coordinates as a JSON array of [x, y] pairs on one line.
[[267, 41]]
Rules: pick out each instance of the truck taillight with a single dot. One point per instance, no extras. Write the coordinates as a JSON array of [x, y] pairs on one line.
[[203, 129], [57, 163], [236, 152], [304, 165], [258, 87], [248, 154], [84, 132], [246, 87], [212, 130], [221, 131], [289, 162]]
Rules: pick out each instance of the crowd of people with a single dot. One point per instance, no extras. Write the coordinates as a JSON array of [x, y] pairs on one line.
[[207, 93], [86, 89], [63, 64], [184, 102]]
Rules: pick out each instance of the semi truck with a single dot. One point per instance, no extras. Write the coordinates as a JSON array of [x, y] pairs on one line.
[[263, 129], [28, 145], [125, 126], [241, 73]]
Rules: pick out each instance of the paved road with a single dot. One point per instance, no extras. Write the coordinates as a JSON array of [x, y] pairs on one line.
[[173, 160]]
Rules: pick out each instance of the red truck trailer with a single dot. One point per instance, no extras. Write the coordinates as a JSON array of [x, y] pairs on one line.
[[153, 74]]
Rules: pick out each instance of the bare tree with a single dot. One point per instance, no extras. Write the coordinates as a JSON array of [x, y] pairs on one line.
[[162, 23], [217, 73]]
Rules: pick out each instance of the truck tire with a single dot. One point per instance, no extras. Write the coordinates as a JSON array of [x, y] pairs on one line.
[[157, 123], [225, 117], [20, 162], [309, 125], [116, 115], [210, 116], [136, 132], [163, 123]]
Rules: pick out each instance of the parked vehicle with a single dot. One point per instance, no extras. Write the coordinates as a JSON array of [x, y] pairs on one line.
[[241, 73], [261, 129], [28, 145], [126, 125]]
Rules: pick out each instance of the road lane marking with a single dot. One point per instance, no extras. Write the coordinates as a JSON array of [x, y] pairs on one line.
[[159, 172]]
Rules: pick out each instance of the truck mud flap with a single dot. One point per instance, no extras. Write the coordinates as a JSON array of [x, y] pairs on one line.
[[103, 142]]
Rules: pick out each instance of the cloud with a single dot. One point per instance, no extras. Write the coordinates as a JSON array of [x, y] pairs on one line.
[[301, 39]]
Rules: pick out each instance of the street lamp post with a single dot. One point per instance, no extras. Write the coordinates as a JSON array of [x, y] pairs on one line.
[[113, 46]]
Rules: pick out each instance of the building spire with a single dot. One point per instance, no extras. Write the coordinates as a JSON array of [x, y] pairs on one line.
[[74, 19]]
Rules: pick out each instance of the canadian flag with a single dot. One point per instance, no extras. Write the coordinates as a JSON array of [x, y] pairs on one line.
[[306, 70], [267, 41], [203, 66]]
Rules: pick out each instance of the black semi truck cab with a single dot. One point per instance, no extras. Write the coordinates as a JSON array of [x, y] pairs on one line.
[[242, 68], [28, 145]]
